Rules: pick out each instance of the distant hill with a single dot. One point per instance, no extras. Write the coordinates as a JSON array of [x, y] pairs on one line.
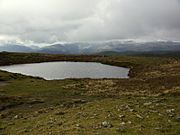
[[111, 46], [61, 49], [15, 48], [115, 47], [150, 53], [160, 53]]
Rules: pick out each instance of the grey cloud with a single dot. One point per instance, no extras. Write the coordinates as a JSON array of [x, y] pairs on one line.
[[84, 20]]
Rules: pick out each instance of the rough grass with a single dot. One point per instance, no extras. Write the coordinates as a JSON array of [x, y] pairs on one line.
[[147, 103]]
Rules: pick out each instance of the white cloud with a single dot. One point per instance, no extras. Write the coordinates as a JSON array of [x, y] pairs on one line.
[[47, 21]]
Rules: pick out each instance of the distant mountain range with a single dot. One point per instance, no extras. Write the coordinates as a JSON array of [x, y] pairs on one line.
[[15, 48], [107, 47]]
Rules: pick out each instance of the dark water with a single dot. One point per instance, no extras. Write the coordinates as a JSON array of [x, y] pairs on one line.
[[62, 70]]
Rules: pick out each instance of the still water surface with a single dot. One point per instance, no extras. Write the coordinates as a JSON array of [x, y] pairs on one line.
[[63, 70]]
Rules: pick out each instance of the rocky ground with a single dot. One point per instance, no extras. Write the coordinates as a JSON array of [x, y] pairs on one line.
[[147, 103]]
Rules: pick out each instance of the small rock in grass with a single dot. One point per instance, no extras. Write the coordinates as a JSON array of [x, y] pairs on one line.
[[27, 130], [36, 101], [51, 121], [99, 126], [109, 115], [60, 113], [78, 125], [122, 123], [170, 110], [147, 104], [131, 110], [121, 129], [16, 117], [153, 111], [41, 111], [139, 116], [11, 123], [178, 118], [121, 116], [106, 124], [157, 128], [50, 133], [79, 101]]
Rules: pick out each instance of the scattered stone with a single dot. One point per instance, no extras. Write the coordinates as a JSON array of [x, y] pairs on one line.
[[39, 125], [51, 108], [27, 130], [129, 122], [50, 133], [131, 110], [157, 104], [139, 116], [79, 101], [126, 107], [60, 113], [147, 104], [157, 128], [106, 124], [41, 111], [109, 115], [25, 118], [178, 118], [152, 107], [98, 126], [51, 121], [16, 117], [141, 127], [153, 111], [75, 105], [122, 129], [77, 125], [121, 116], [62, 105], [122, 123], [92, 117], [82, 114], [170, 111], [11, 123], [36, 101]]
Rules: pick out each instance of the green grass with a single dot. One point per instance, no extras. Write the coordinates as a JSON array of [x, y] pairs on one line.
[[88, 118], [148, 102]]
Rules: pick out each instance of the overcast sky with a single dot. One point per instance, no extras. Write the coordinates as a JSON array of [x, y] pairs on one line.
[[48, 21]]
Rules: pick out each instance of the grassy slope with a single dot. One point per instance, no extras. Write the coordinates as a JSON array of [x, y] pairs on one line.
[[148, 102]]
